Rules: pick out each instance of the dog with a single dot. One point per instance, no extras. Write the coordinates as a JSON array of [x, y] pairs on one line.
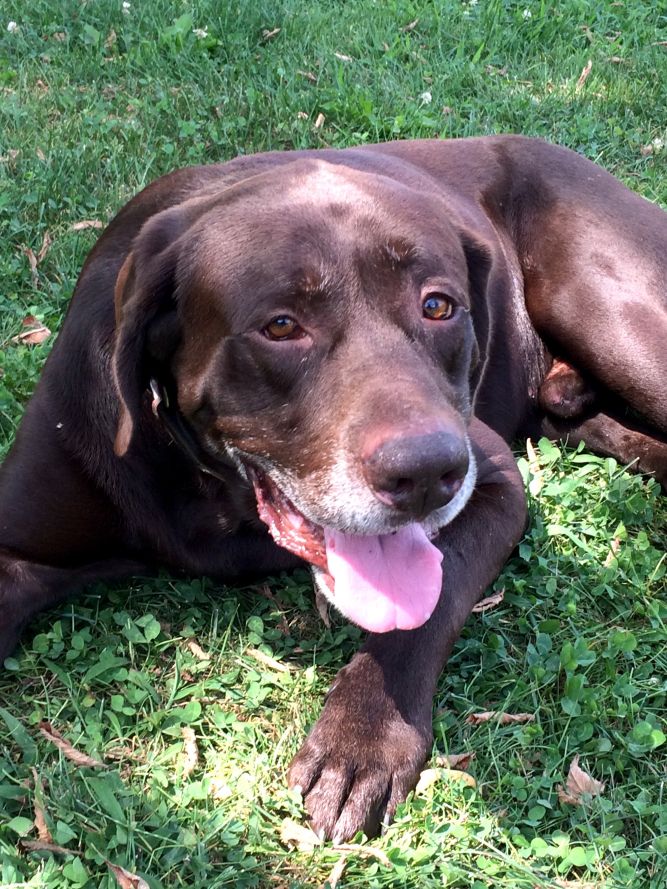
[[320, 357]]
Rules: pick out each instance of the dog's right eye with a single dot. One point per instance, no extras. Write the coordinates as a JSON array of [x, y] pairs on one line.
[[437, 307], [283, 328]]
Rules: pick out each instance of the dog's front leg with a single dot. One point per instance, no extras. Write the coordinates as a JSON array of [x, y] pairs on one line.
[[26, 588], [365, 752]]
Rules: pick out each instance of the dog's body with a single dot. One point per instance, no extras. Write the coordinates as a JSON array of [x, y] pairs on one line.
[[338, 345]]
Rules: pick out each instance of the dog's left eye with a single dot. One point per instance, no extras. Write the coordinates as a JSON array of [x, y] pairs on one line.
[[283, 328], [437, 307]]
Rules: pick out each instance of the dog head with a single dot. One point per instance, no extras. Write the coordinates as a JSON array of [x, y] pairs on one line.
[[313, 323]]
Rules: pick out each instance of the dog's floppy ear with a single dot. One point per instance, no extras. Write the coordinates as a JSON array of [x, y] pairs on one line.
[[479, 257], [147, 326]]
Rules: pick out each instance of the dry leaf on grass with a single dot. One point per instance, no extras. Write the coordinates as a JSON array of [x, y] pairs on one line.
[[489, 603], [220, 789], [343, 57], [336, 873], [501, 718], [125, 879], [455, 760], [458, 775], [583, 77], [33, 333], [579, 787], [34, 259], [410, 27], [124, 752], [268, 661], [12, 154], [270, 34], [349, 849], [40, 811], [32, 336], [41, 846], [426, 778], [322, 606], [40, 824], [86, 223], [537, 482], [363, 852], [198, 651], [431, 776], [68, 751], [32, 262], [190, 751], [298, 836], [319, 121], [613, 549], [265, 590]]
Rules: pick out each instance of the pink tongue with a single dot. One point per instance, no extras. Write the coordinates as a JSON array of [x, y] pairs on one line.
[[386, 582]]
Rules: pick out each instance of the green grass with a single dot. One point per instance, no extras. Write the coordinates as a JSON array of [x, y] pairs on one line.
[[94, 103]]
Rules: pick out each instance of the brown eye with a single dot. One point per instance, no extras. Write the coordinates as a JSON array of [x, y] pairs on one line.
[[283, 328], [437, 307]]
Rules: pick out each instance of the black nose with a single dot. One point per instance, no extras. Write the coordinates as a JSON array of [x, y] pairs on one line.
[[417, 473]]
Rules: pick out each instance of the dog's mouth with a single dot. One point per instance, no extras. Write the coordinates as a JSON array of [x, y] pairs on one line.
[[382, 582]]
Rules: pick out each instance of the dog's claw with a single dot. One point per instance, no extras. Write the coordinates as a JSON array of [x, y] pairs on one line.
[[355, 771]]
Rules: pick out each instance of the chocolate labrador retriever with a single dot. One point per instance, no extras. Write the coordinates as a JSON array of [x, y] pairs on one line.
[[320, 356]]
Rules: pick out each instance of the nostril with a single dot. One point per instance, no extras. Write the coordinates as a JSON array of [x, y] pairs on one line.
[[451, 482], [394, 492], [403, 486]]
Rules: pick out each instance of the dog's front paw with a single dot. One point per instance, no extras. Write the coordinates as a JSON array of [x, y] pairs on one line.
[[363, 756]]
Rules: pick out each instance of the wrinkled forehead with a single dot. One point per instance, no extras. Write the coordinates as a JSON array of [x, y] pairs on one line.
[[313, 219]]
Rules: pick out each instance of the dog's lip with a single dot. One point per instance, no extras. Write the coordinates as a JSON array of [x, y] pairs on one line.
[[294, 531], [381, 582], [287, 525]]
